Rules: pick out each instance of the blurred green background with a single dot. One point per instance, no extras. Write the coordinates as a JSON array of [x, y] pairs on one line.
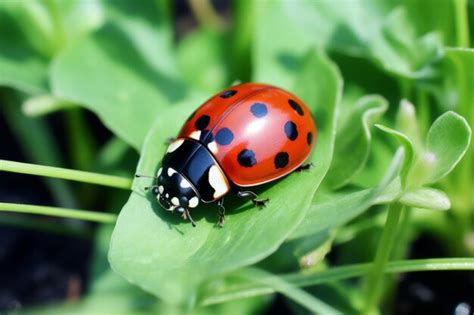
[[99, 85]]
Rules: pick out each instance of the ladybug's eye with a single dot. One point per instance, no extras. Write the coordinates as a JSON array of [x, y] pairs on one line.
[[155, 191]]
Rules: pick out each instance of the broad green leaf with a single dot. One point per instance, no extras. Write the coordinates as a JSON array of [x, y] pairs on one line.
[[167, 256], [32, 32], [448, 140], [353, 139], [331, 211], [202, 61], [114, 73], [22, 67]]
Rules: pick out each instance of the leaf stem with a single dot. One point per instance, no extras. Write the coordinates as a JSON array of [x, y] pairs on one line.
[[204, 12], [64, 173], [59, 212], [462, 24], [375, 277], [340, 273]]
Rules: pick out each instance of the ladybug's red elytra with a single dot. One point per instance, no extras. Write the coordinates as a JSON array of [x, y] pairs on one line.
[[244, 136]]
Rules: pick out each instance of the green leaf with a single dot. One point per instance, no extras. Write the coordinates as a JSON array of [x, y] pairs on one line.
[[202, 61], [294, 293], [447, 140], [331, 211], [22, 67], [167, 256], [123, 72], [371, 29], [426, 198], [409, 151], [353, 139]]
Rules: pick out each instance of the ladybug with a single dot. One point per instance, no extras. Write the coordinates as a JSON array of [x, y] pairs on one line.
[[244, 136]]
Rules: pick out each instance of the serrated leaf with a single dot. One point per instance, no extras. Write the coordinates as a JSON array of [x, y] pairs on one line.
[[353, 139], [168, 257]]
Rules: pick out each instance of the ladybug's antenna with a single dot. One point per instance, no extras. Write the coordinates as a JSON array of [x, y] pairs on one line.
[[190, 219]]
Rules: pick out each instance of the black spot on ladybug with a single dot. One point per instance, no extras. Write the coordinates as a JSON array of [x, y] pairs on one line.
[[281, 160], [228, 94], [291, 131], [202, 122], [224, 136], [206, 136], [246, 158], [259, 110], [296, 107], [309, 138]]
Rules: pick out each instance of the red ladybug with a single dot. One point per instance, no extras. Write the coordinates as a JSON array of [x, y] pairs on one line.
[[244, 136]]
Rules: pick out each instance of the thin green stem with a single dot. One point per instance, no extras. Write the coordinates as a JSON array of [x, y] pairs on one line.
[[204, 12], [59, 212], [305, 279], [64, 173], [375, 277], [462, 24]]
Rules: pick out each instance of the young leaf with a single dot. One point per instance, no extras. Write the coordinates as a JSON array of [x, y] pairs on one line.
[[409, 151], [167, 256], [448, 139], [426, 198], [353, 139]]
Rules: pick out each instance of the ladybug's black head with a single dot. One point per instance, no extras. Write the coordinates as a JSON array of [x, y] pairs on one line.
[[174, 192]]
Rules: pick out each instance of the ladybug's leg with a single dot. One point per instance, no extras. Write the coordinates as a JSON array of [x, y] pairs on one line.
[[220, 205], [260, 203], [304, 167]]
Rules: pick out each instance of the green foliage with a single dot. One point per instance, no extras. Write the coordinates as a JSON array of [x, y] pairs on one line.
[[124, 62]]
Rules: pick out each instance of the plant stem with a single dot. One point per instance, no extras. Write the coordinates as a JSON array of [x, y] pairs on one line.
[[250, 289], [204, 12], [59, 212], [375, 277], [64, 173], [462, 24]]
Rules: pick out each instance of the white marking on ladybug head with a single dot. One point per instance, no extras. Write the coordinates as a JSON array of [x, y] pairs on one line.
[[193, 202], [184, 183], [174, 145], [175, 201], [159, 172], [196, 134], [212, 146], [218, 181], [161, 189], [171, 172], [167, 195]]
